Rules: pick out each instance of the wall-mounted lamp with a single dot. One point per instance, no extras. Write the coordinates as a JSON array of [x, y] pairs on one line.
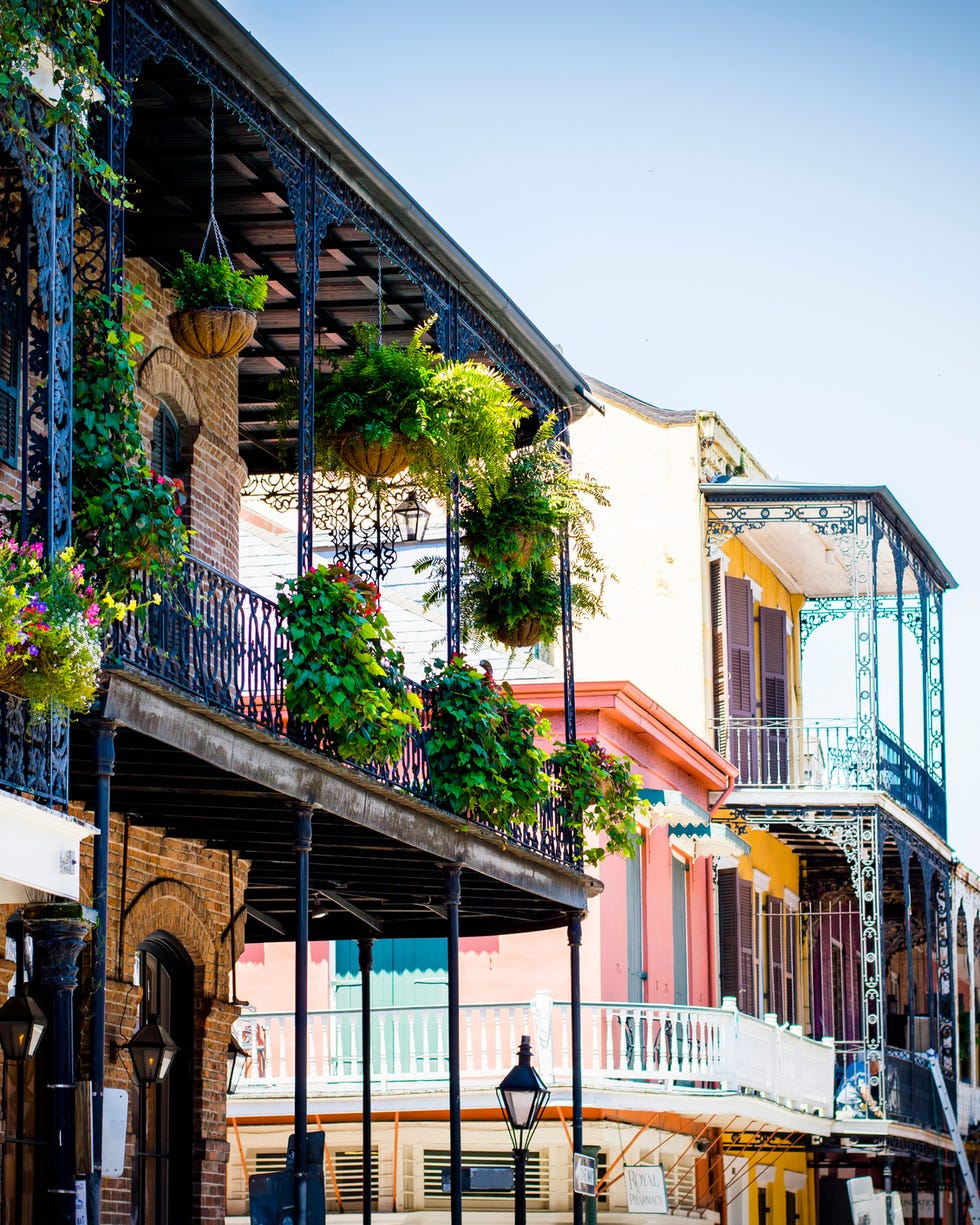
[[152, 1051], [22, 1026], [237, 1059], [411, 518]]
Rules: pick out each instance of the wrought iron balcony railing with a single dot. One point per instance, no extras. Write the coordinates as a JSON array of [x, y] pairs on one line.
[[223, 645], [832, 755], [33, 752], [648, 1047]]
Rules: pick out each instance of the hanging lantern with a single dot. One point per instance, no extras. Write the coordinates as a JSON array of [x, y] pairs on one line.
[[237, 1059], [22, 1026], [152, 1051], [411, 518]]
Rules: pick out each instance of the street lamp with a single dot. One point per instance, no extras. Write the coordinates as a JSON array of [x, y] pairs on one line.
[[152, 1051], [237, 1059], [523, 1096], [22, 1026], [411, 518]]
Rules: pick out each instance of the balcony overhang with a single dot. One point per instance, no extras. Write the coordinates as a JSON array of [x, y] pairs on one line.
[[202, 775], [805, 533], [40, 850]]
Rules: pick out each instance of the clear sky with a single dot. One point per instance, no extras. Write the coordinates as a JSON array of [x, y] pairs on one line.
[[767, 210]]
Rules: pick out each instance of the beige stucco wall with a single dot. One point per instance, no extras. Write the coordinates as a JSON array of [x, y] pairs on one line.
[[651, 536]]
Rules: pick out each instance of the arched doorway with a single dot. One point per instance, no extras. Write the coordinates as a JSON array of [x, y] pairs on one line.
[[162, 1173]]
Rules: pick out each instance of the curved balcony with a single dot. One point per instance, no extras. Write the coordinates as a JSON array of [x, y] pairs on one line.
[[223, 645], [833, 755]]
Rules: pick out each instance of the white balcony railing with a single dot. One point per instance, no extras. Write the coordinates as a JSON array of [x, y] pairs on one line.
[[650, 1047], [968, 1106]]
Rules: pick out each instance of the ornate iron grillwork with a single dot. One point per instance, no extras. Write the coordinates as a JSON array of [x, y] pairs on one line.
[[224, 644], [33, 752]]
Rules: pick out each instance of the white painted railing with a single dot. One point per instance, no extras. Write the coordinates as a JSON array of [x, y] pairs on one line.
[[650, 1046]]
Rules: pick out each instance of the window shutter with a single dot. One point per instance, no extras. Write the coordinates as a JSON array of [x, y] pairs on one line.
[[728, 930], [777, 982], [772, 642], [790, 927], [719, 679], [741, 677], [746, 952], [9, 390]]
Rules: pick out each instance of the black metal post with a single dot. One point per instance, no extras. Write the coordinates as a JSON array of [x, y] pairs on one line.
[[303, 202], [915, 1193], [365, 960], [887, 1174], [455, 1107], [104, 764], [565, 570], [303, 846], [520, 1186], [575, 945], [909, 958], [59, 931], [937, 1192]]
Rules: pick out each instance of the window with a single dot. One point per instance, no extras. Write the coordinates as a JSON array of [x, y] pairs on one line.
[[165, 446], [11, 344]]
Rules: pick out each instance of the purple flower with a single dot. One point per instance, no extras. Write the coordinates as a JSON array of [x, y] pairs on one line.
[[32, 650]]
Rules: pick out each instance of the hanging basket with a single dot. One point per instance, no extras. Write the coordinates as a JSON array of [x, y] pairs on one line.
[[212, 331], [514, 559], [12, 672], [373, 460], [528, 632]]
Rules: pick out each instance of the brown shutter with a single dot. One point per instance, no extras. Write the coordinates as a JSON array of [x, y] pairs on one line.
[[772, 644], [719, 679], [789, 962], [746, 953], [777, 982], [728, 930], [740, 633]]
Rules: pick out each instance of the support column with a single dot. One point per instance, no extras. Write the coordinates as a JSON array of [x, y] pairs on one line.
[[568, 664], [909, 959], [59, 930], [308, 269], [575, 974], [453, 571], [455, 1107], [103, 767], [365, 961], [915, 1193], [863, 591], [303, 846]]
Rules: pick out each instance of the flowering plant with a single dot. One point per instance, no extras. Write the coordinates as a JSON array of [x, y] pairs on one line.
[[343, 671], [127, 517], [483, 761], [50, 628], [600, 794]]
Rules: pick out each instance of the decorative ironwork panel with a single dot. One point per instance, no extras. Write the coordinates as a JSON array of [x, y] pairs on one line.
[[934, 714], [857, 836], [224, 645], [33, 752], [828, 518]]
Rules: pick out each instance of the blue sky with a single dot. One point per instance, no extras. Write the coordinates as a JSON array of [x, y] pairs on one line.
[[767, 210]]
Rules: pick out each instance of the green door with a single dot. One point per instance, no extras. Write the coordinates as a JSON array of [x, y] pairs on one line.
[[409, 975]]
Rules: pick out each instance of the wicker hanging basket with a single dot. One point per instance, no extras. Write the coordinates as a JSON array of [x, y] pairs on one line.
[[514, 559], [12, 672], [373, 460], [212, 331], [528, 632]]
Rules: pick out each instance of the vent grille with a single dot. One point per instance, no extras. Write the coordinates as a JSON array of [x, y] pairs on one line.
[[346, 1166], [436, 1160]]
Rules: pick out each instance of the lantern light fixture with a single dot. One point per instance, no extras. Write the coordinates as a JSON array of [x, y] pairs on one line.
[[22, 1026]]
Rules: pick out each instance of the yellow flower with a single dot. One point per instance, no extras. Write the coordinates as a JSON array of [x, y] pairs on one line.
[[157, 598]]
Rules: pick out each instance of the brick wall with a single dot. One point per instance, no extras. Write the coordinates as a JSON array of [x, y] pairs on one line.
[[179, 887], [203, 397]]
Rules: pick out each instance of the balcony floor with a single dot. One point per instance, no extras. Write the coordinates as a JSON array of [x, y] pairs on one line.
[[199, 774]]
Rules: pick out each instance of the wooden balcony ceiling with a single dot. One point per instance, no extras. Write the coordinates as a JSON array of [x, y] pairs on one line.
[[379, 850], [168, 164], [806, 537]]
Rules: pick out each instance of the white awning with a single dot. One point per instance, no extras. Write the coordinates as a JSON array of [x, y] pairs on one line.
[[40, 849]]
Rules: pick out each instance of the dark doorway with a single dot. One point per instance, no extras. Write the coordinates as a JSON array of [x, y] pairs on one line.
[[162, 1176]]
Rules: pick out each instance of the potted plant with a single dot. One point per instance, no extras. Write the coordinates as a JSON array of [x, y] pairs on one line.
[[600, 795], [386, 407], [126, 516], [483, 760], [519, 613], [343, 672], [216, 306], [50, 628]]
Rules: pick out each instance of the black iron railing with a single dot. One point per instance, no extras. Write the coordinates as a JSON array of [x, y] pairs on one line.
[[223, 645], [832, 755], [910, 1093], [33, 752]]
